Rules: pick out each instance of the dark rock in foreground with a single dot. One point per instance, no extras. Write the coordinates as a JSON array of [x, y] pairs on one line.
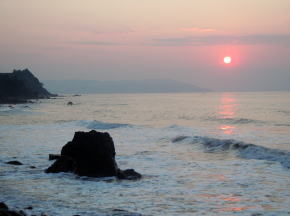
[[20, 86], [3, 206], [91, 154], [5, 211], [14, 163]]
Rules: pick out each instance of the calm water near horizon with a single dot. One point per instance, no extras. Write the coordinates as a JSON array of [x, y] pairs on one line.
[[200, 153]]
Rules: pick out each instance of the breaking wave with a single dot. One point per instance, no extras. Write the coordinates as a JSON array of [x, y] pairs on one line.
[[235, 120], [241, 149]]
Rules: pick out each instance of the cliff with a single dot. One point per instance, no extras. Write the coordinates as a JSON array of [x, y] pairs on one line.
[[20, 86]]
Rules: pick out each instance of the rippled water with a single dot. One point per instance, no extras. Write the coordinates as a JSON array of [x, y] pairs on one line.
[[200, 154]]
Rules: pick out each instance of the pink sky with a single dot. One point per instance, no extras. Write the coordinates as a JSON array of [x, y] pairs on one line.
[[129, 39]]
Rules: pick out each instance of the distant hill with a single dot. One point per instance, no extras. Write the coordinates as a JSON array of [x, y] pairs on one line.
[[123, 86], [19, 86]]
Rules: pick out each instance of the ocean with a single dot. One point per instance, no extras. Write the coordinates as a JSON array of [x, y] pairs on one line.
[[199, 154]]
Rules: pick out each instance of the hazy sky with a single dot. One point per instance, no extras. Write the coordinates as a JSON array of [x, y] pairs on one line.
[[184, 40]]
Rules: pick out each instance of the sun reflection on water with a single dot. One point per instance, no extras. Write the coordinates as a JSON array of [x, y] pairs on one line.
[[227, 111]]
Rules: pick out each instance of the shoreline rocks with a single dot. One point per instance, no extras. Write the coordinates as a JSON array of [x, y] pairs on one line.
[[91, 154]]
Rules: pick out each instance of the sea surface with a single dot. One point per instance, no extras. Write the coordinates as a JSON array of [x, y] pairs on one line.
[[199, 153]]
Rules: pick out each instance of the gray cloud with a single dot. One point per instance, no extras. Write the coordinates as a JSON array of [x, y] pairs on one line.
[[98, 43], [283, 40], [98, 30], [209, 40], [117, 31]]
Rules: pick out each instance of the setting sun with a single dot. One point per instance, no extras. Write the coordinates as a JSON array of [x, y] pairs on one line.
[[227, 60]]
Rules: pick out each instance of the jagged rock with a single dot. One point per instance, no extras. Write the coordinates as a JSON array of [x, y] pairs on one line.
[[14, 163], [91, 154]]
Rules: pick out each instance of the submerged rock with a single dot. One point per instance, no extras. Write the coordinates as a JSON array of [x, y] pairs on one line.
[[121, 212], [14, 163], [91, 154]]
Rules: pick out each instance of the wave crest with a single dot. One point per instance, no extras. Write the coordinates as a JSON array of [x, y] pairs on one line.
[[236, 120], [242, 150]]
